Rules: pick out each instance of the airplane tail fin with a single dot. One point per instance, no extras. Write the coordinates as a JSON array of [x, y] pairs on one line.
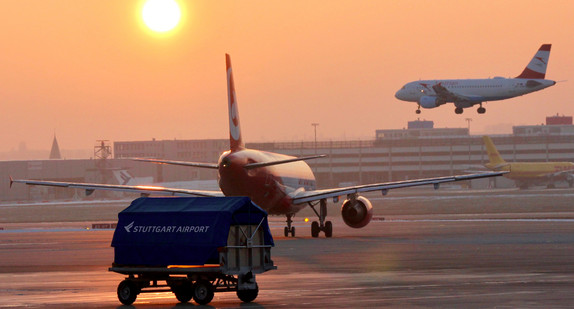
[[235, 140], [536, 69], [123, 177], [493, 155]]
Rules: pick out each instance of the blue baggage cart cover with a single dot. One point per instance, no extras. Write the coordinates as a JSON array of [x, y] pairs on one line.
[[163, 231]]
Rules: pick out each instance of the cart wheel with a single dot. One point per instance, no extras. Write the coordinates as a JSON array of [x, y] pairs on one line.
[[203, 292], [127, 292], [183, 293], [248, 295]]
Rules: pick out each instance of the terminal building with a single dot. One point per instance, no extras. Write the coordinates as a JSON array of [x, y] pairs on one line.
[[418, 151]]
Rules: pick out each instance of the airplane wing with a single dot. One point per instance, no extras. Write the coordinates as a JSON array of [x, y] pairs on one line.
[[91, 187], [310, 196], [449, 96]]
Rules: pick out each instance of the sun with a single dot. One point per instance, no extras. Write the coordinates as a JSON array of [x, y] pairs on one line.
[[161, 15]]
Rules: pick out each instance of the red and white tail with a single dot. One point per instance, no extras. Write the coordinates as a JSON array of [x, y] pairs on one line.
[[536, 69], [235, 141]]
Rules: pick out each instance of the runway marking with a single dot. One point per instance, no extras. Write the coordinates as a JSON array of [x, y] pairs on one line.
[[465, 296], [71, 203], [474, 220], [47, 230], [465, 196], [28, 244]]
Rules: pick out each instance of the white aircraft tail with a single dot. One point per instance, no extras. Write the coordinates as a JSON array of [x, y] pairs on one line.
[[123, 177], [235, 140], [536, 69]]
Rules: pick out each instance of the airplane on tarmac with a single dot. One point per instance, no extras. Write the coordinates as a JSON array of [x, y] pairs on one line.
[[469, 92], [280, 184], [529, 173]]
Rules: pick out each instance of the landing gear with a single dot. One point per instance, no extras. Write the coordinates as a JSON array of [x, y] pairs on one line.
[[458, 110], [317, 227], [289, 229], [418, 111], [481, 110]]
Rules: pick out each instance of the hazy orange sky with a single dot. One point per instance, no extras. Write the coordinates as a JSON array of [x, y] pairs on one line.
[[88, 70]]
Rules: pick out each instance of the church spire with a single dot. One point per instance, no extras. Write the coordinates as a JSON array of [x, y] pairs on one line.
[[55, 152]]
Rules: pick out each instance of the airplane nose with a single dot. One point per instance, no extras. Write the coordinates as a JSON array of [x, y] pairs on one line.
[[398, 95]]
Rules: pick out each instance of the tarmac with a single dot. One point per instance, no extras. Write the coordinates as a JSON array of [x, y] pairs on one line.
[[423, 249]]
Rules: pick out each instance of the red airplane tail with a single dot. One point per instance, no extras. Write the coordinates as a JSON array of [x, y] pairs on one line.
[[235, 140], [536, 68]]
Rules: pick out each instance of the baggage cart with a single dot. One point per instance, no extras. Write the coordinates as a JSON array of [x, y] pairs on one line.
[[192, 246]]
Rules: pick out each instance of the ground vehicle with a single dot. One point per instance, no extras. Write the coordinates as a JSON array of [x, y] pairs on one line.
[[197, 245]]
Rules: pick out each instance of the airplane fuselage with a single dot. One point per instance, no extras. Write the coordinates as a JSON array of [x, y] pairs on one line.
[[476, 90], [465, 93], [269, 186], [526, 171]]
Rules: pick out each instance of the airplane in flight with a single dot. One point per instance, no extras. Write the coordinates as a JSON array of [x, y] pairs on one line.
[[529, 173], [466, 93], [280, 184]]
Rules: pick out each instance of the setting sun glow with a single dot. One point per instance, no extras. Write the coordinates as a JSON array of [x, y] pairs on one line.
[[161, 15]]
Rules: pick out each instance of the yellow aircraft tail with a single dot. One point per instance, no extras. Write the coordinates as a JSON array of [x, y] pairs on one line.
[[494, 157]]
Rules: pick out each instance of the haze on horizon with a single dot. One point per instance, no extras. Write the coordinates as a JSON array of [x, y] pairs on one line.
[[89, 70]]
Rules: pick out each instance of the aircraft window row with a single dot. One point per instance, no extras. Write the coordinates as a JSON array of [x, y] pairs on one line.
[[480, 86]]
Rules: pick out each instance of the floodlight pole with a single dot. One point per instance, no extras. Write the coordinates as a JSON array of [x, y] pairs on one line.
[[468, 120], [315, 127]]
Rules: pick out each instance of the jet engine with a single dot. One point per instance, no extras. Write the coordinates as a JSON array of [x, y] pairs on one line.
[[428, 101], [357, 213]]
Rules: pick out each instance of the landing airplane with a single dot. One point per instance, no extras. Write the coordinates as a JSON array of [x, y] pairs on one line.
[[280, 184], [469, 92], [529, 173]]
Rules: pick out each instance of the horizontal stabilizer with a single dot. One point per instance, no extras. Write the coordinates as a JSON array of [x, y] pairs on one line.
[[182, 163], [256, 165]]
